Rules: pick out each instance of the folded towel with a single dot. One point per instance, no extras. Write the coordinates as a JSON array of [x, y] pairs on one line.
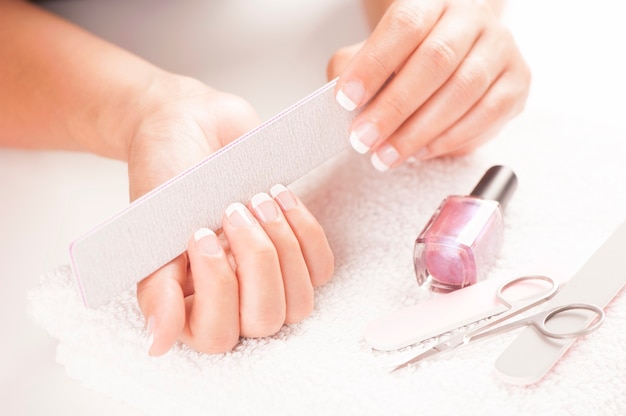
[[571, 196]]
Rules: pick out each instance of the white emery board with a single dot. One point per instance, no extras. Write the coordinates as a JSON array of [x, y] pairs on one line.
[[155, 228], [531, 355], [441, 314]]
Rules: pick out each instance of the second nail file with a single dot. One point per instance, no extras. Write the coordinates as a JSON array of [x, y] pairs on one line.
[[532, 355], [155, 228]]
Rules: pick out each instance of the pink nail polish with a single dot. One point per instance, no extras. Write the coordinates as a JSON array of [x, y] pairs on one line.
[[463, 237]]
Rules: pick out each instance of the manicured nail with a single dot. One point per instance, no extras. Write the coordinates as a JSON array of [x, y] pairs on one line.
[[207, 242], [385, 157], [265, 207], [150, 331], [283, 196], [239, 216], [350, 95], [363, 137]]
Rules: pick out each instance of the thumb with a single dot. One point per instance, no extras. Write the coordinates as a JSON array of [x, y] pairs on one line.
[[162, 302]]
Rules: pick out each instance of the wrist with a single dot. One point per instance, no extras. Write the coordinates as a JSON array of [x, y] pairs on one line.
[[158, 109], [106, 126]]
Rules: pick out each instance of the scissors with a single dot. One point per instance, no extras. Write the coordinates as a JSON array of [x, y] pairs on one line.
[[515, 307]]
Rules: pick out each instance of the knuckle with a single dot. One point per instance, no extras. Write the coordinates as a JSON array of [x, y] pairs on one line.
[[440, 57], [499, 107], [377, 63], [397, 105], [473, 80], [261, 252], [405, 16]]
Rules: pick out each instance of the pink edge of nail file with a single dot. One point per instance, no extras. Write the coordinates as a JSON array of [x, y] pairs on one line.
[[531, 355], [155, 228]]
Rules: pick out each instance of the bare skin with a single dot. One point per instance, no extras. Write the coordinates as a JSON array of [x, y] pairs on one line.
[[78, 92]]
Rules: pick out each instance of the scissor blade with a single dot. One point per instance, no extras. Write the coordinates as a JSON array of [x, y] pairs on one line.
[[422, 356]]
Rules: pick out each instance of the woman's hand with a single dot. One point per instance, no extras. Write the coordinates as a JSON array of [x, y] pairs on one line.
[[95, 97], [260, 272], [443, 77]]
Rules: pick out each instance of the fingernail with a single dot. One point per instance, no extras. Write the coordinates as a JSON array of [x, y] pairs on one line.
[[385, 157], [363, 137], [283, 196], [350, 95], [150, 331], [265, 207], [239, 216], [207, 242]]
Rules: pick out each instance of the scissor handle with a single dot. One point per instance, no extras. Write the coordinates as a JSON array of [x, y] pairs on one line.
[[541, 319], [534, 299]]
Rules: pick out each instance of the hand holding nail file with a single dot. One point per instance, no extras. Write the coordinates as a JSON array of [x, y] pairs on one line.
[[155, 228], [528, 359]]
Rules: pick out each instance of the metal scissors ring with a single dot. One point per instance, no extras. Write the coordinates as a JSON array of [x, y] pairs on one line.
[[515, 307]]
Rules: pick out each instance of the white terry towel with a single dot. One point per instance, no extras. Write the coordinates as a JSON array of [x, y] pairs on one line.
[[571, 196]]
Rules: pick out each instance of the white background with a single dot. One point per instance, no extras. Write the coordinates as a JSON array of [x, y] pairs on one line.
[[271, 53]]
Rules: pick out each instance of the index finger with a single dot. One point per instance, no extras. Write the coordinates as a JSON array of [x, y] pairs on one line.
[[400, 31]]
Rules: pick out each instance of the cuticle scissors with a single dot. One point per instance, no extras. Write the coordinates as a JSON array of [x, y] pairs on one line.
[[515, 307]]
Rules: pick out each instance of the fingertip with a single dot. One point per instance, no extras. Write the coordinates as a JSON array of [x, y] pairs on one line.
[[325, 270], [284, 197], [357, 144], [385, 157], [150, 333], [205, 241], [265, 207], [161, 300], [238, 215], [378, 163], [345, 101], [350, 95], [158, 342]]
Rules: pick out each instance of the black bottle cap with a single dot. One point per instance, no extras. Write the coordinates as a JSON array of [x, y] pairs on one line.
[[498, 184]]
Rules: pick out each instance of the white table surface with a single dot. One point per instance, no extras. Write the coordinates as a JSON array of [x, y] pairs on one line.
[[48, 198]]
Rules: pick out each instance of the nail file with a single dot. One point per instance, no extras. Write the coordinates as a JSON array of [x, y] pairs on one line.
[[155, 228], [443, 313], [528, 359]]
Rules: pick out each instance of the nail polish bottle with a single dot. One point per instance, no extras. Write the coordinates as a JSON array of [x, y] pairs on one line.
[[464, 235]]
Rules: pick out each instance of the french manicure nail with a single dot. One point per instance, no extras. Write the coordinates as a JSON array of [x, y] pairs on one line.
[[265, 207], [283, 196], [363, 137], [239, 216], [207, 242], [350, 95], [385, 157]]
